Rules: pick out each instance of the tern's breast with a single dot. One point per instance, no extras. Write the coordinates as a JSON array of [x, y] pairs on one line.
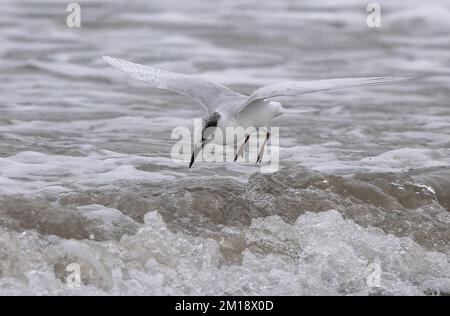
[[259, 114]]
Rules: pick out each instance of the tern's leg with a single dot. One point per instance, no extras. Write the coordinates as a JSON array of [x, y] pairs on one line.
[[196, 151], [241, 149], [261, 151]]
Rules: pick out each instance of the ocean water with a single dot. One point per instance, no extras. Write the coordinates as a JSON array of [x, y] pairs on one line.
[[360, 205]]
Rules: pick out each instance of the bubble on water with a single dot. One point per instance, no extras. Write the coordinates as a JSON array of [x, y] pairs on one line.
[[324, 254]]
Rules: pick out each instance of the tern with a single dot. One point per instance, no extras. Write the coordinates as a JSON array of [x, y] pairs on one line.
[[226, 108]]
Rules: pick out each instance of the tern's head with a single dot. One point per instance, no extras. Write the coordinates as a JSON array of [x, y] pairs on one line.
[[210, 124]]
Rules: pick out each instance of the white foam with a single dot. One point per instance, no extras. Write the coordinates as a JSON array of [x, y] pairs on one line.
[[29, 172], [329, 159], [326, 255]]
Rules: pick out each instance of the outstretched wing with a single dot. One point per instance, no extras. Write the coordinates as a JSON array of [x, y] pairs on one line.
[[290, 88], [208, 94]]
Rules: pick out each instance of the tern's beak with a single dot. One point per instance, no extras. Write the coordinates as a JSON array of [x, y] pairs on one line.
[[197, 149], [194, 154]]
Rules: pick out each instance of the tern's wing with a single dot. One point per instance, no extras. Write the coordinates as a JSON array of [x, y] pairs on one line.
[[290, 88], [208, 94]]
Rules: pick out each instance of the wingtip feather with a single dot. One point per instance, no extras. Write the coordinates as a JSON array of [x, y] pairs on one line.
[[108, 59], [111, 61]]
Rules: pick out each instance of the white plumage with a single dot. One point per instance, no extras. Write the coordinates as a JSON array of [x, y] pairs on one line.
[[228, 108]]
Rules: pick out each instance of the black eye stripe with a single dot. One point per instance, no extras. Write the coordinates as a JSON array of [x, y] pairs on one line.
[[211, 124], [211, 120]]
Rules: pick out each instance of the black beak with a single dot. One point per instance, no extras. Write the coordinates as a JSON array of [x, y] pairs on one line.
[[197, 149], [194, 155]]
